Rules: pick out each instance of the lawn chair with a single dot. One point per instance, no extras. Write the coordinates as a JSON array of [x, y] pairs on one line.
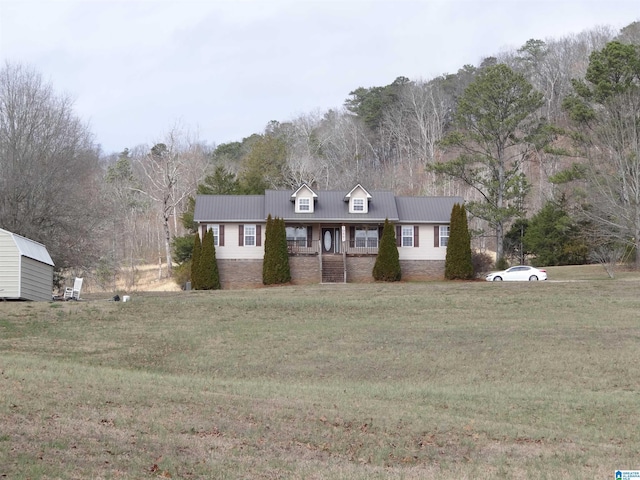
[[73, 293]]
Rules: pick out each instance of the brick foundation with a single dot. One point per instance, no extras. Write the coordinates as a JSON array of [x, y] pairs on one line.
[[240, 273], [422, 269], [305, 270]]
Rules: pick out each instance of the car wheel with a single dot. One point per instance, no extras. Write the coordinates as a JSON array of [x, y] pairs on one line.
[[497, 279], [533, 278]]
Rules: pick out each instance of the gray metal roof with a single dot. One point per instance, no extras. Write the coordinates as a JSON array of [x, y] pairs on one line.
[[229, 208], [426, 209], [330, 206], [30, 248]]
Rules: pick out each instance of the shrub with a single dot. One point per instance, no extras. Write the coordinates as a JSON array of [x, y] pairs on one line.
[[182, 248], [275, 265], [195, 262], [210, 279], [482, 263], [458, 264], [387, 266], [182, 274], [502, 264]]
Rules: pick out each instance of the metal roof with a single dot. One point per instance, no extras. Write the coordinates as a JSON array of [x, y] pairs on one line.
[[426, 209], [30, 248], [229, 208], [329, 206]]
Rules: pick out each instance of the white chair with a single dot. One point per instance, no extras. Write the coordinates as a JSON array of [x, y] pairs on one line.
[[73, 293]]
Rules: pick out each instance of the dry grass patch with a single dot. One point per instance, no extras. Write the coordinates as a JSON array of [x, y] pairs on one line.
[[410, 380]]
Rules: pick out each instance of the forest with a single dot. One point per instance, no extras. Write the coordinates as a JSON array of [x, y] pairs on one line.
[[542, 142]]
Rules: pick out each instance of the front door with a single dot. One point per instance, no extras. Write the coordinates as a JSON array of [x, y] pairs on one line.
[[331, 240]]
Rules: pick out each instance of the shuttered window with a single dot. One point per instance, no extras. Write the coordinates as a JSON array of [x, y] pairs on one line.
[[407, 236], [249, 236]]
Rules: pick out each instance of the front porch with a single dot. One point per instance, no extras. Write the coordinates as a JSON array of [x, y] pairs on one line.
[[296, 248]]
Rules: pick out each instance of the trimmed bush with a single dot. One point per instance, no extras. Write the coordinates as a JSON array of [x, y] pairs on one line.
[[275, 265], [458, 264], [387, 266], [210, 279], [195, 262]]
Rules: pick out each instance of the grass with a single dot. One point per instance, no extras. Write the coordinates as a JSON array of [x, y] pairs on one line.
[[403, 381]]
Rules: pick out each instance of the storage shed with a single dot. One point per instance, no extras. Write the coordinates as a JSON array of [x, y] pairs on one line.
[[26, 269]]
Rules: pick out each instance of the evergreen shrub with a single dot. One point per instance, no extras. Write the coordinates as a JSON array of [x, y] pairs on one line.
[[387, 266]]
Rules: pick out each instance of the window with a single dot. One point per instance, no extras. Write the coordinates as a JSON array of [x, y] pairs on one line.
[[249, 235], [297, 236], [216, 234], [366, 237], [444, 235], [304, 204], [358, 204], [407, 236]]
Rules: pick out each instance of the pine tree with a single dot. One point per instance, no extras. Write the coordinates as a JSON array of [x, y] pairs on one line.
[[387, 266], [458, 263], [195, 262], [210, 279]]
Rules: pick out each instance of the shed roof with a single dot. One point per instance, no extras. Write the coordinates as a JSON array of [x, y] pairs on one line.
[[30, 248]]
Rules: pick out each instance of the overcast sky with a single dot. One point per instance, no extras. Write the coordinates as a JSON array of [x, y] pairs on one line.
[[223, 69]]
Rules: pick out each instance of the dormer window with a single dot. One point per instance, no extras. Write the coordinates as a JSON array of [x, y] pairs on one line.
[[358, 199], [304, 199], [304, 204]]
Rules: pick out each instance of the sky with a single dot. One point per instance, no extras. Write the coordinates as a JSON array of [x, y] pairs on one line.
[[221, 70]]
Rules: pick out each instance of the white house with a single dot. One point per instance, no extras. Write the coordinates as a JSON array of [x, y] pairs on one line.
[[26, 268], [332, 236]]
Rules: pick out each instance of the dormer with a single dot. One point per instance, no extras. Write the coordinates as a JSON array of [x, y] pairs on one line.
[[358, 199], [304, 199]]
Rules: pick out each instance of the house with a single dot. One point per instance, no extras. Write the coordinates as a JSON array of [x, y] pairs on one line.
[[332, 236], [26, 269]]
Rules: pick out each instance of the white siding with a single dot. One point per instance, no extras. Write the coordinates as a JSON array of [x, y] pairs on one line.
[[22, 277], [231, 249], [9, 267], [426, 250]]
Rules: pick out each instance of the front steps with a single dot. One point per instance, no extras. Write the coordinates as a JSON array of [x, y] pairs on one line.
[[333, 269]]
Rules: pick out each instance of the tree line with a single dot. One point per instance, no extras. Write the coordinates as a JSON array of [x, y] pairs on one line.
[[549, 129]]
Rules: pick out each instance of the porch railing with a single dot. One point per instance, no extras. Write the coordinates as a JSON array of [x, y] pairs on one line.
[[300, 247], [362, 250]]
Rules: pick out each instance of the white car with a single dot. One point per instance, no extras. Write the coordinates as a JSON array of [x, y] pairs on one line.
[[520, 273]]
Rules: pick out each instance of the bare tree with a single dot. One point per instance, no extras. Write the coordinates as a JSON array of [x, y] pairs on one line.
[[347, 150], [49, 169], [606, 110], [165, 170], [413, 126]]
